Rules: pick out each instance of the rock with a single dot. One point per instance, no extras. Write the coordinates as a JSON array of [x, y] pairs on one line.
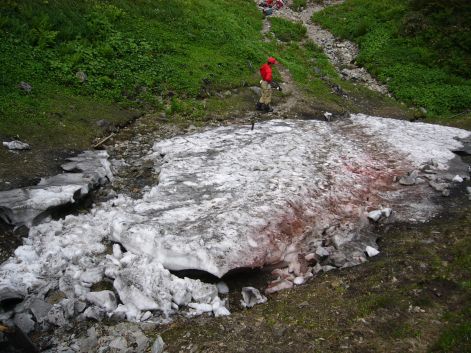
[[386, 212], [40, 309], [92, 276], [446, 192], [222, 288], [375, 215], [423, 110], [81, 76], [256, 90], [322, 252], [119, 343], [25, 87], [409, 179], [68, 305], [370, 251], [16, 145], [328, 116], [457, 179], [25, 322], [56, 316], [79, 306], [338, 259], [251, 296], [94, 313], [10, 294], [276, 286], [468, 190], [440, 187], [158, 346], [298, 280], [89, 343], [104, 299], [104, 124]]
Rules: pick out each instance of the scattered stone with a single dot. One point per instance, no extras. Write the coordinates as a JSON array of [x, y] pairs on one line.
[[375, 215], [322, 252], [16, 145], [10, 294], [40, 309], [409, 179], [440, 187], [386, 212], [25, 322], [158, 346], [89, 343], [298, 280], [104, 299], [251, 296], [370, 251], [119, 343], [457, 179], [423, 110], [25, 87], [94, 312], [446, 193], [256, 90], [104, 124], [328, 116], [278, 285], [56, 316]]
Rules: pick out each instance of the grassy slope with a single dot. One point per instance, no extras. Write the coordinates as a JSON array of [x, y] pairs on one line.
[[133, 52], [407, 49]]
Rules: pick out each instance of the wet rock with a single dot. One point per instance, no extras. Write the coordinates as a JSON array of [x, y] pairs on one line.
[[16, 145], [251, 296], [25, 322], [370, 251], [158, 346]]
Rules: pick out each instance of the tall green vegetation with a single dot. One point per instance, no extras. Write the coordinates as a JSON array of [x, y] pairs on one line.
[[133, 52], [421, 49]]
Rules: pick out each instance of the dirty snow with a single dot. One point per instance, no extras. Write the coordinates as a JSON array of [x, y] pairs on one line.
[[232, 197]]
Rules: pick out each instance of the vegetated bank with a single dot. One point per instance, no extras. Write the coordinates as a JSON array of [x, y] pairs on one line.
[[421, 49], [81, 57]]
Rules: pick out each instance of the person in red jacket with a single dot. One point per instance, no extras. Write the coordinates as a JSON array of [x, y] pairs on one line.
[[265, 83]]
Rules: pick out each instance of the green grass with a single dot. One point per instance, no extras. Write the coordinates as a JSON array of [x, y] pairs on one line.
[[287, 31], [134, 53], [405, 48]]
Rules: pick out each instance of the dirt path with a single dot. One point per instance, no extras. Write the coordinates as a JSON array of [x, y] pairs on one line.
[[341, 53]]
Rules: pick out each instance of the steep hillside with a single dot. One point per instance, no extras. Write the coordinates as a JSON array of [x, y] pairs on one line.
[[132, 52]]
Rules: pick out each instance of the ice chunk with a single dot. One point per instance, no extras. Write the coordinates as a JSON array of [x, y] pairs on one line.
[[251, 296], [104, 299], [371, 251]]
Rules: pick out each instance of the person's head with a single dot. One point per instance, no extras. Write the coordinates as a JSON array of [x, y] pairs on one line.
[[272, 61]]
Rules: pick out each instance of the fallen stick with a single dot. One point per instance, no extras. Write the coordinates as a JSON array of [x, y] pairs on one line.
[[104, 140]]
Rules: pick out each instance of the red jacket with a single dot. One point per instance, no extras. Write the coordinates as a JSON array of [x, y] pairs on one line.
[[266, 73]]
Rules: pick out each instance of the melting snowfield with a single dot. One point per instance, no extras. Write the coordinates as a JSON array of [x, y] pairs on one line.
[[299, 194]]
